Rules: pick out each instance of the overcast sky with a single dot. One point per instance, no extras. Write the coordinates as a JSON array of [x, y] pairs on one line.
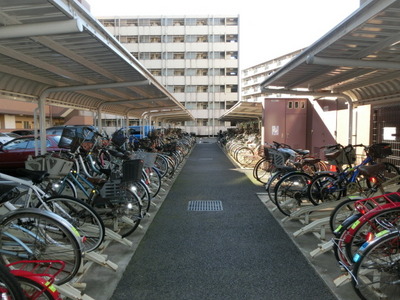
[[268, 29]]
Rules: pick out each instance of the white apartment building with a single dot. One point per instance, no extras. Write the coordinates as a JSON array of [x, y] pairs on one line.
[[196, 58], [253, 76]]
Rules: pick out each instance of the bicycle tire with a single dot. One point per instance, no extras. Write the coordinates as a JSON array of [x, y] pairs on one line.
[[324, 187], [291, 192], [370, 226], [161, 164], [271, 184], [263, 170], [338, 245], [375, 273], [341, 212], [9, 285], [155, 181], [32, 288], [122, 214], [50, 236], [82, 216], [244, 156], [143, 192]]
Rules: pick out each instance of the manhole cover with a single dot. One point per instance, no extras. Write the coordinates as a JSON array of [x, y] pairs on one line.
[[205, 205]]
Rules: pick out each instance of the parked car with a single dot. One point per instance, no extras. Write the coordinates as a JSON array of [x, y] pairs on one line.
[[13, 154], [58, 130], [23, 132], [7, 136]]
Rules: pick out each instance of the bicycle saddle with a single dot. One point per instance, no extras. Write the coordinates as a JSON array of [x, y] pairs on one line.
[[371, 170]]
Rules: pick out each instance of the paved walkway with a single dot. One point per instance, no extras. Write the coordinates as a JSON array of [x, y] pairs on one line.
[[239, 252]]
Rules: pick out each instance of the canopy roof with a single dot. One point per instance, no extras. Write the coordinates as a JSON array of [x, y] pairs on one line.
[[360, 58], [244, 111], [57, 51]]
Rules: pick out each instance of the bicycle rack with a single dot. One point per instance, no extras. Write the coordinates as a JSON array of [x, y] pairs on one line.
[[71, 292], [322, 248]]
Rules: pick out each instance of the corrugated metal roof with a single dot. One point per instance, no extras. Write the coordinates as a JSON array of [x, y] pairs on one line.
[[359, 57], [58, 49], [244, 111]]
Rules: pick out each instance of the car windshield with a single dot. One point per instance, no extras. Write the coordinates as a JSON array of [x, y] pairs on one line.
[[26, 143], [17, 144]]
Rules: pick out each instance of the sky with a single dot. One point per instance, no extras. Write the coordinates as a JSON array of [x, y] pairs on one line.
[[268, 29]]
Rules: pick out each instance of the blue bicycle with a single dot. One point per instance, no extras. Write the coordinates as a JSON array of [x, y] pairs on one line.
[[331, 186]]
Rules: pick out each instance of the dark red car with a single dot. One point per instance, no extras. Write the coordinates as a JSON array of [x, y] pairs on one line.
[[13, 154]]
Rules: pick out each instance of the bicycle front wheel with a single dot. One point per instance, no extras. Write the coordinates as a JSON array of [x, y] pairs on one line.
[[262, 170], [82, 216], [35, 234], [9, 285], [123, 213], [291, 192]]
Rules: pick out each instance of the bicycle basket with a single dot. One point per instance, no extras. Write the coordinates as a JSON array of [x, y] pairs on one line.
[[278, 158], [56, 167], [132, 170], [118, 138], [337, 156], [71, 139], [149, 158], [380, 150]]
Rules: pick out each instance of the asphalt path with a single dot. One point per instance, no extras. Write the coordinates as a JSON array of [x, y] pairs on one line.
[[238, 251]]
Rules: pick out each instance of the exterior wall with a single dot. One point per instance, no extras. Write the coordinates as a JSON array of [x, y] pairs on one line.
[[196, 59], [285, 121]]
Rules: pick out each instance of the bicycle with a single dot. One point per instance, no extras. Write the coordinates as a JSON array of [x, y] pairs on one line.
[[331, 186], [27, 193], [36, 234], [375, 272], [36, 278]]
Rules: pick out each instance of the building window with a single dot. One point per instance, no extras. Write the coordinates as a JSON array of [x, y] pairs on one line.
[[156, 72], [232, 21], [178, 22], [155, 55], [179, 89], [290, 104], [179, 55], [144, 39], [179, 72], [178, 39], [144, 22], [190, 89], [232, 38], [216, 21]]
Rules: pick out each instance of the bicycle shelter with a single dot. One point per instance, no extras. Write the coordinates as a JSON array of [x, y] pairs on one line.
[[55, 52]]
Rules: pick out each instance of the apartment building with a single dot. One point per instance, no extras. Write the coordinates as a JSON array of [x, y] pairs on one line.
[[254, 75], [196, 58]]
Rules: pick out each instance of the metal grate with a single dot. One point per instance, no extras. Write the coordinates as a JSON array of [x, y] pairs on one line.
[[205, 205]]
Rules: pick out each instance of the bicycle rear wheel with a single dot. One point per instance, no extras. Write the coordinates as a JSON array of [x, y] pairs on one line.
[[82, 216], [36, 234], [376, 272], [324, 187], [291, 192]]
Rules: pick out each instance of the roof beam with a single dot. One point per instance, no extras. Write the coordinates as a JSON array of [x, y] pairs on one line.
[[352, 63], [40, 29]]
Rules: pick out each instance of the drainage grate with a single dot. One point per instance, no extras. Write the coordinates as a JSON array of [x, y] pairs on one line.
[[205, 205]]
